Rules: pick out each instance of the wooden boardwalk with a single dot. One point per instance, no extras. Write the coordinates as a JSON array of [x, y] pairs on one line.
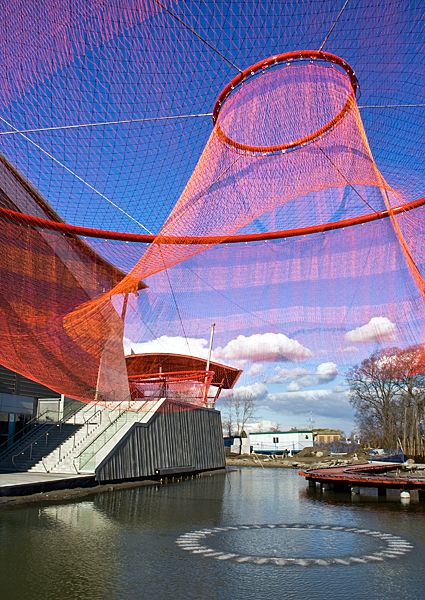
[[382, 476]]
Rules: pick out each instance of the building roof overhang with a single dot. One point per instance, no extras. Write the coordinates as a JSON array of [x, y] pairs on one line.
[[163, 362]]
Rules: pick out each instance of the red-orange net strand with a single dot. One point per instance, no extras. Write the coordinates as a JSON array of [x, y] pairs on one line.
[[291, 154]]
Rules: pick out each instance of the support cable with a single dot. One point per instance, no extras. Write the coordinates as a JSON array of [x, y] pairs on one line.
[[196, 34], [104, 123], [83, 181], [175, 302], [322, 45], [102, 196], [347, 181], [419, 105]]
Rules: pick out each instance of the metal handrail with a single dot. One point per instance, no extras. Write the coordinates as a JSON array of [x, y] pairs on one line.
[[129, 400], [96, 403], [86, 424], [46, 432], [93, 415], [22, 437]]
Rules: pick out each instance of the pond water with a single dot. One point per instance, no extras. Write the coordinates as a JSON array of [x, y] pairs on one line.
[[247, 534]]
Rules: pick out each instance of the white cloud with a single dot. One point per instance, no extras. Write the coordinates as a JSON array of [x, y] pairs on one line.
[[262, 425], [379, 329], [257, 391], [326, 372], [267, 347], [283, 375], [255, 369], [298, 379], [325, 406], [329, 403], [349, 349], [294, 386]]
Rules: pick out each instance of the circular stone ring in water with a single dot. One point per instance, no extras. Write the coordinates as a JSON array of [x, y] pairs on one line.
[[393, 546]]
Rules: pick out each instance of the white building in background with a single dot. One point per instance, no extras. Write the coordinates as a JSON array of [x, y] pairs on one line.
[[280, 442]]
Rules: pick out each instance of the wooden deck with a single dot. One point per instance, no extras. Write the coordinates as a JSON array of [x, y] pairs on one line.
[[381, 476]]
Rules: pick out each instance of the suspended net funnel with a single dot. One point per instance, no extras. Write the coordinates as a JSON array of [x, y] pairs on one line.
[[286, 235], [288, 160]]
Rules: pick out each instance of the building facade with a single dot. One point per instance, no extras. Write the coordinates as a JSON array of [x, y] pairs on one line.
[[281, 442]]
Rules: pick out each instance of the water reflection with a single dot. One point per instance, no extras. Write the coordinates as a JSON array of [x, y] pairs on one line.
[[122, 544]]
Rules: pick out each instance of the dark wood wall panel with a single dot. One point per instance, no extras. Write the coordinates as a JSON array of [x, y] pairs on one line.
[[174, 439]]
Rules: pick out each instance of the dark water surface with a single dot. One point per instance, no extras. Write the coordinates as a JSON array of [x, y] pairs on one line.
[[122, 544]]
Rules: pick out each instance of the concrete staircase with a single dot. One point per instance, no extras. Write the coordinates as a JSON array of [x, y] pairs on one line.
[[44, 438], [86, 422], [103, 444], [98, 423]]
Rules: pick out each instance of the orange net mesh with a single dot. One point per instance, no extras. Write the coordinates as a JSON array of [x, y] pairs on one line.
[[292, 149], [184, 386]]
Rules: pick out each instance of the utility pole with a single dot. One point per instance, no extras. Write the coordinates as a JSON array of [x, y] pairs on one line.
[[208, 364]]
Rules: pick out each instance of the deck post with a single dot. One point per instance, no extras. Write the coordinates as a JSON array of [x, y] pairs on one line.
[[404, 496]]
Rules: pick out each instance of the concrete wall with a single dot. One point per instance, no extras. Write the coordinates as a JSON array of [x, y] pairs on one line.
[[240, 446], [175, 440]]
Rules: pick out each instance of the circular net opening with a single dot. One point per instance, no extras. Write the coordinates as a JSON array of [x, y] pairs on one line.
[[286, 105]]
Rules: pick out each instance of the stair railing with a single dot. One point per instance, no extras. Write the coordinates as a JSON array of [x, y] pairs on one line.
[[5, 447], [86, 424], [45, 434], [112, 423]]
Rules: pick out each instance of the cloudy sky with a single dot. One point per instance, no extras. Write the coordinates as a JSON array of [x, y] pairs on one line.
[[290, 387]]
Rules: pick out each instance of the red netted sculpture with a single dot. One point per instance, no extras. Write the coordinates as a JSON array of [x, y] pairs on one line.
[[292, 217]]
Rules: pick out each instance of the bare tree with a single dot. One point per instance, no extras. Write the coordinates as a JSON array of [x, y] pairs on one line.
[[244, 410], [410, 377], [387, 391], [238, 409], [227, 416], [373, 394]]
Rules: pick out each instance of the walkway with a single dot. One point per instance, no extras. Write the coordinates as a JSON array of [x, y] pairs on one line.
[[367, 475], [22, 484]]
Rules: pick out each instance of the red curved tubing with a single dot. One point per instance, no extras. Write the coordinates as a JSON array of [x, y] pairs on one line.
[[65, 228], [279, 58]]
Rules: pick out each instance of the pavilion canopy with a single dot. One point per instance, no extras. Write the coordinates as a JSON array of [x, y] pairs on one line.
[[153, 363]]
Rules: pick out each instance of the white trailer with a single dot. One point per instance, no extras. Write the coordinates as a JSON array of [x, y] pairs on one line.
[[280, 442]]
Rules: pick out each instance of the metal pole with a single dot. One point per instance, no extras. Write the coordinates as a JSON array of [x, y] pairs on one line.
[[208, 362], [124, 307]]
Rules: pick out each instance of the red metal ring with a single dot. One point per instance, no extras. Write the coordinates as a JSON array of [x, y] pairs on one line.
[[275, 60]]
